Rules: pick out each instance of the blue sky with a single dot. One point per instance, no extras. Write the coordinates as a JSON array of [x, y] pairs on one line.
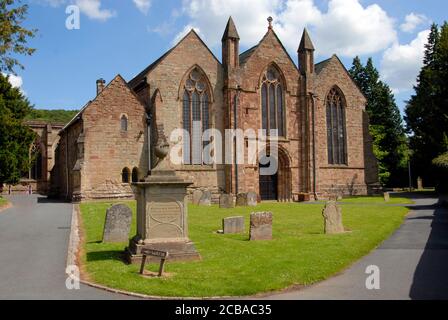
[[124, 36]]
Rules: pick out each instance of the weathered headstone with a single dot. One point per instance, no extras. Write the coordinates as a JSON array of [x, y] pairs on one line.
[[386, 196], [332, 218], [241, 199], [197, 194], [261, 226], [233, 225], [420, 183], [251, 199], [206, 198], [226, 201], [118, 224]]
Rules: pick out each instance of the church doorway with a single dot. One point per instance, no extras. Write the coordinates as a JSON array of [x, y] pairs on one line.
[[278, 185]]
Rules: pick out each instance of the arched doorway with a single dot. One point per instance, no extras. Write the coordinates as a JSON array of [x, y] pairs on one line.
[[276, 186]]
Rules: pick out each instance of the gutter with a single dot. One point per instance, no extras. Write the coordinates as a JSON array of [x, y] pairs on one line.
[[313, 121]]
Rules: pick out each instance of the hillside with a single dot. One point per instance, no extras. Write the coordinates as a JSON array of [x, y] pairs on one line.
[[52, 115]]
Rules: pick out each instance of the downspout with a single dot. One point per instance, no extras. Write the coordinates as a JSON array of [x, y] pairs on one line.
[[148, 122], [235, 107], [66, 164], [313, 124]]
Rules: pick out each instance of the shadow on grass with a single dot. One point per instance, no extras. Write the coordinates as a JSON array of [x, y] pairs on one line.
[[105, 255]]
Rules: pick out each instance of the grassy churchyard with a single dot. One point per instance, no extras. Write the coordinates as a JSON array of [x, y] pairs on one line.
[[299, 254]]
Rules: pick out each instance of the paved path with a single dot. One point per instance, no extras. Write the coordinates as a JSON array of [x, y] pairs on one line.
[[34, 236], [413, 263]]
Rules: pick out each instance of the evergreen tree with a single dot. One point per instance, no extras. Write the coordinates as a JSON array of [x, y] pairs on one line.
[[15, 137], [427, 110], [386, 125]]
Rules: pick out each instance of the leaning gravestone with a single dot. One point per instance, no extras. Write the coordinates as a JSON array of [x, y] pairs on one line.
[[206, 198], [197, 194], [118, 224], [261, 226], [226, 201], [332, 218], [233, 225], [386, 196], [251, 199]]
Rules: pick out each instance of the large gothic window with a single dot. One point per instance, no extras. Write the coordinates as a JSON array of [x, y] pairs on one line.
[[336, 130], [195, 116], [272, 101]]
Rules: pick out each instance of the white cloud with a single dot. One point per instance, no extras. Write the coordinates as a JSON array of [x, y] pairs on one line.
[[184, 32], [92, 9], [143, 5], [347, 28], [401, 64], [15, 81], [412, 21]]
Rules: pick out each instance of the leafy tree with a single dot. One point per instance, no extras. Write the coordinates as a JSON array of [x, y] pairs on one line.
[[15, 138], [427, 110], [13, 36], [63, 116], [386, 124]]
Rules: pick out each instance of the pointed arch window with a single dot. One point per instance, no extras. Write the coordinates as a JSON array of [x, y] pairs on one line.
[[336, 128], [273, 102], [135, 174], [125, 173], [124, 123], [195, 116]]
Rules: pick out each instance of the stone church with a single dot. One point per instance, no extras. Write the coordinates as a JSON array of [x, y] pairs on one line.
[[319, 112]]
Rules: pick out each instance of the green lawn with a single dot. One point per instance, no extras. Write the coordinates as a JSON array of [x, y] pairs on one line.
[[394, 199], [231, 265]]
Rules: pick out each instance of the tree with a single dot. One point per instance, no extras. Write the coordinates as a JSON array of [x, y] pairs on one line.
[[386, 123], [13, 36], [427, 111], [15, 137]]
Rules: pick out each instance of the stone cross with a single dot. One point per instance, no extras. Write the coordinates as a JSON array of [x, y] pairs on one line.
[[332, 214], [118, 224]]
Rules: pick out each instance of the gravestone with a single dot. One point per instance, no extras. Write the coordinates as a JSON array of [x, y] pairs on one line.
[[419, 183], [261, 226], [118, 224], [226, 201], [206, 198], [332, 214], [252, 199], [233, 225], [386, 196], [197, 194], [241, 200]]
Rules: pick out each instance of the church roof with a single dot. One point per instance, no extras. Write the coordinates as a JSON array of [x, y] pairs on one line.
[[305, 42], [230, 32]]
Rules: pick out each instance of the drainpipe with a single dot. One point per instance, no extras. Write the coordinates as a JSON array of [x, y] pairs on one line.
[[235, 108], [66, 165], [148, 122], [313, 121]]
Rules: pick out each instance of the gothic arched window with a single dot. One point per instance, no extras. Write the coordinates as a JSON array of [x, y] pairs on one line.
[[273, 102], [336, 130], [125, 173], [135, 174], [195, 116], [124, 123]]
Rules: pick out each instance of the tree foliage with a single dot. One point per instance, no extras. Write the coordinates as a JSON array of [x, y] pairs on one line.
[[13, 36], [15, 137], [427, 110], [63, 116], [386, 123]]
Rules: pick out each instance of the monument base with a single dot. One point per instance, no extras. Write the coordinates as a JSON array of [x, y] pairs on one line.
[[179, 250]]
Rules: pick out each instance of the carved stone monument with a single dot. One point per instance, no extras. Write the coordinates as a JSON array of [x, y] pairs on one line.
[[162, 212], [246, 199], [206, 198], [332, 218], [118, 224], [226, 201], [233, 225], [419, 183], [386, 196], [261, 226]]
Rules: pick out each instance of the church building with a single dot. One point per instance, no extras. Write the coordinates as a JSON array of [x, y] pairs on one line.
[[324, 146]]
